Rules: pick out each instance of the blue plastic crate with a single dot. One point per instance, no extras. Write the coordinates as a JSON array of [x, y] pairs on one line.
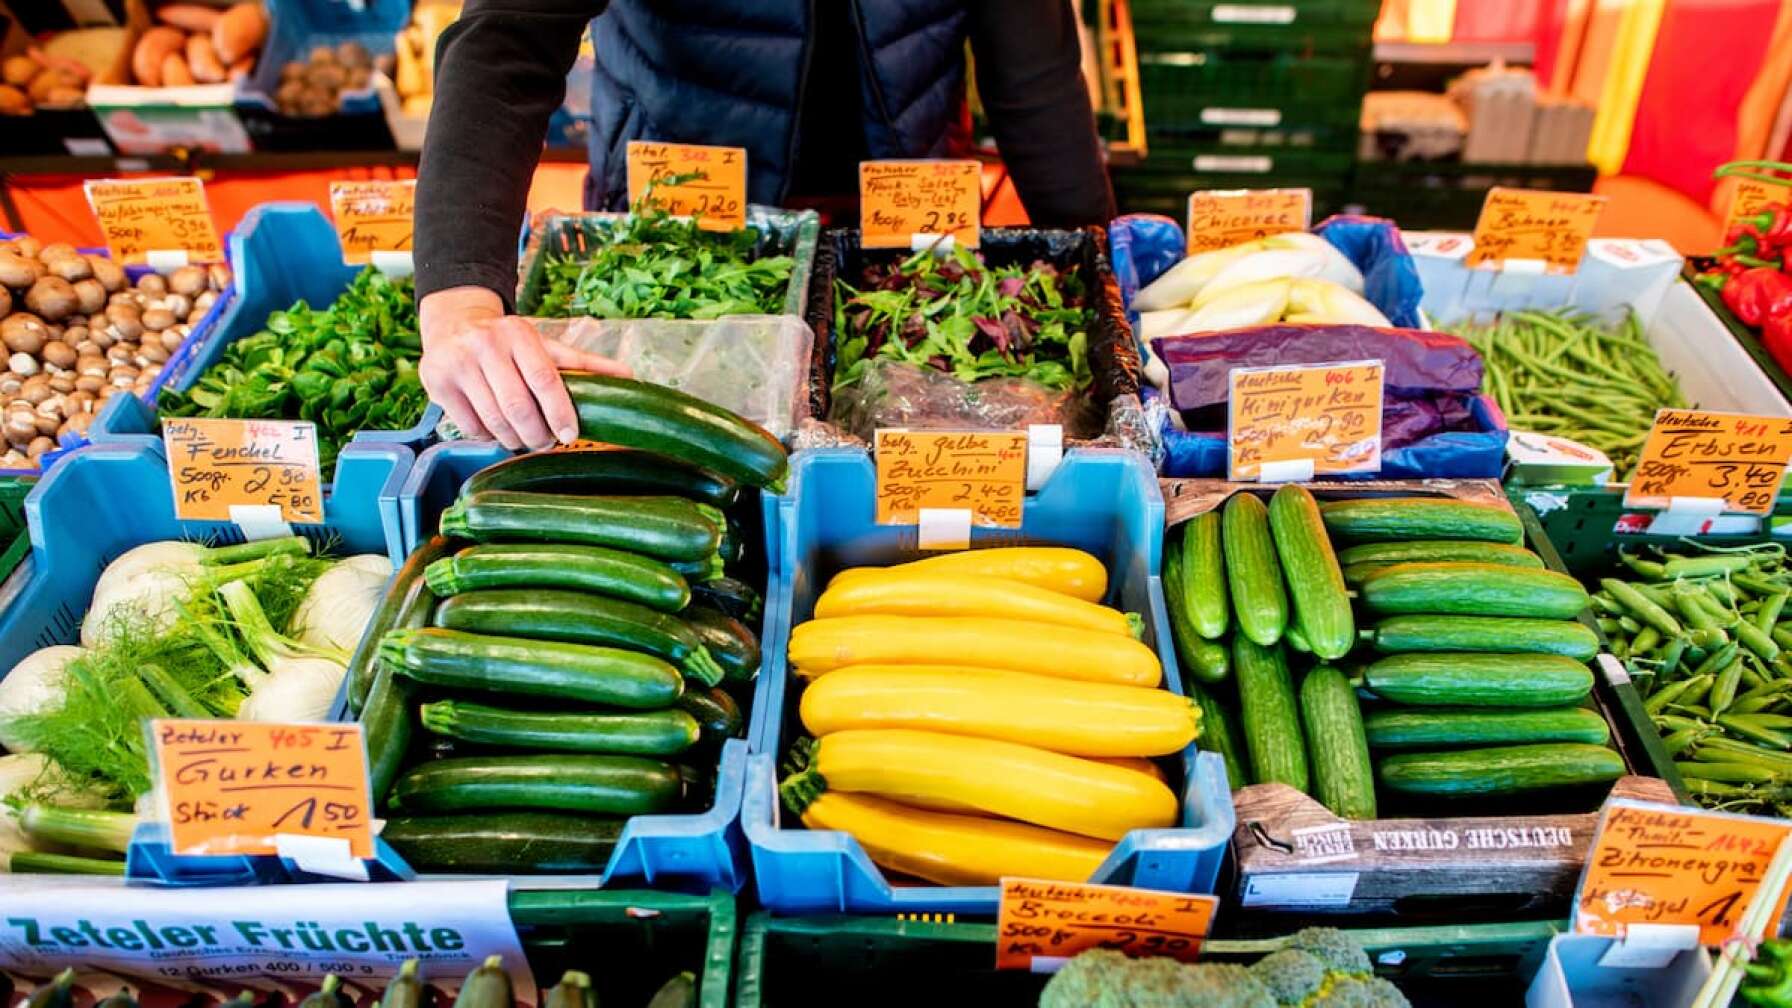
[[297, 26], [1102, 501]]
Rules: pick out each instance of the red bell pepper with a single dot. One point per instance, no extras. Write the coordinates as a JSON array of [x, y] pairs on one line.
[[1776, 335], [1759, 294]]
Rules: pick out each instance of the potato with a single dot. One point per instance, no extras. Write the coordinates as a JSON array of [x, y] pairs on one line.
[[322, 55], [108, 273], [188, 280], [50, 82], [19, 70], [327, 76], [70, 267], [242, 68], [202, 60], [14, 102], [92, 296], [19, 271], [293, 70], [64, 97], [239, 32], [354, 55], [152, 51], [52, 298], [175, 72]]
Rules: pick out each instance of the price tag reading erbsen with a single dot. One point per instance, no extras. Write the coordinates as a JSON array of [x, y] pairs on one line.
[[1734, 457], [1328, 415], [216, 464], [714, 189], [983, 473], [373, 215], [1052, 921], [161, 215], [902, 203]]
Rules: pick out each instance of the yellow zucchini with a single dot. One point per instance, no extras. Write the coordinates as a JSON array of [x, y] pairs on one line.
[[1057, 568], [1135, 763], [900, 592], [821, 646], [1078, 718]]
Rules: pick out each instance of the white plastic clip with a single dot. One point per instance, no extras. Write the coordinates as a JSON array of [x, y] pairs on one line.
[[943, 528], [165, 261], [1045, 449], [940, 244], [1286, 471], [396, 265], [1650, 946], [321, 856], [260, 521]]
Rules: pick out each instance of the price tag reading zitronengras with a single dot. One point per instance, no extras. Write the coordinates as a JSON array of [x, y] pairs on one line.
[[373, 215], [217, 464], [236, 787], [1297, 422], [1734, 457], [1535, 226], [1221, 218], [903, 204], [1041, 924], [714, 189], [984, 473], [164, 216]]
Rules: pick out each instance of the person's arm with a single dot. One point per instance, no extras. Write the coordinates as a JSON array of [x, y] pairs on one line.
[[1030, 79]]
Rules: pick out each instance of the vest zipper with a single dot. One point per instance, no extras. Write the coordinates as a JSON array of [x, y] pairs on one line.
[[796, 113], [869, 68]]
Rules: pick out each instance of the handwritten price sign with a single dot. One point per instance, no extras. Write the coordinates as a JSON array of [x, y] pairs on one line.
[[140, 216], [1221, 218], [1328, 414], [231, 787], [1695, 454], [983, 473], [902, 201], [218, 464], [373, 215], [1550, 227], [1753, 196], [1056, 920], [715, 191]]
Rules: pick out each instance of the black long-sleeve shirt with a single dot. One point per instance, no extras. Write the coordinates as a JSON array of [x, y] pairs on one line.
[[501, 72]]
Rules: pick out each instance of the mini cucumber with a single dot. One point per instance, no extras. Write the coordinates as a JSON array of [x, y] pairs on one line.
[[1310, 568], [1479, 680], [1401, 634], [1343, 779], [1267, 709], [1252, 572], [1200, 575], [1461, 588], [1387, 519], [1429, 550], [1444, 727], [1205, 660], [1500, 770]]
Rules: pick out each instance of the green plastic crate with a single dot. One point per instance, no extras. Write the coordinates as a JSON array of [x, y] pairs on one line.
[[1305, 154], [1205, 89], [1747, 337], [630, 942], [1303, 26], [15, 542], [1426, 195]]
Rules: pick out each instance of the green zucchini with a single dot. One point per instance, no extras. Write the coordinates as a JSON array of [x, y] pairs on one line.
[[615, 573], [505, 843], [1205, 660], [487, 987], [1427, 550], [579, 618], [678, 992], [453, 660], [668, 528], [730, 596], [1310, 567], [1201, 575], [1267, 711], [1474, 589], [405, 990], [1479, 680], [1441, 727], [1219, 734], [1385, 519], [404, 594], [386, 727], [1252, 573], [1342, 777], [606, 785], [1500, 770], [718, 716], [637, 414], [646, 733], [573, 991], [621, 472], [734, 647], [1400, 634], [731, 548]]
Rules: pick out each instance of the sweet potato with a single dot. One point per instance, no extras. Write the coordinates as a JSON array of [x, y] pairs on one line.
[[239, 31], [175, 72], [152, 49], [190, 17], [202, 60]]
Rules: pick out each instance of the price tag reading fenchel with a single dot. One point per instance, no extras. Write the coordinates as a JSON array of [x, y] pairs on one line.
[[373, 215], [1694, 454], [218, 464], [1531, 224], [1039, 923], [1280, 418], [984, 473], [714, 189], [903, 203], [1221, 218], [161, 215]]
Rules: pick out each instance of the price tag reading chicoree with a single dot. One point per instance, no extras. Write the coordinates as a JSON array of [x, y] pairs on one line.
[[1039, 924], [713, 186], [373, 215], [1298, 422], [218, 465], [984, 473], [1535, 226], [1694, 454], [166, 217], [1221, 218], [907, 203]]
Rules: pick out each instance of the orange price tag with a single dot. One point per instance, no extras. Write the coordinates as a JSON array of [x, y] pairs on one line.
[[907, 203], [714, 190], [233, 787], [1222, 218], [373, 215], [1667, 864], [983, 473], [1532, 224], [218, 465], [1283, 420], [1753, 196], [159, 215], [1040, 920], [1693, 454]]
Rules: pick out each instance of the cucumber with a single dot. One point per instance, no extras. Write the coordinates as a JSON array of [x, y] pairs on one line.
[[678, 992], [1201, 575], [1500, 770], [668, 528], [1252, 573], [607, 785], [1479, 680], [1315, 584], [406, 990], [486, 987], [645, 733], [553, 614], [1385, 519], [658, 419], [734, 647], [386, 728], [1400, 634], [1440, 727], [718, 716], [730, 596], [1205, 660], [454, 660], [573, 991], [1267, 711], [404, 594], [602, 472], [1342, 776], [1425, 550], [505, 843], [1473, 589], [1219, 734], [615, 573]]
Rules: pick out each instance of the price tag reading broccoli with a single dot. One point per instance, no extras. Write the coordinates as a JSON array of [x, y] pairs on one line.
[[1039, 923], [691, 180], [1693, 454], [906, 203]]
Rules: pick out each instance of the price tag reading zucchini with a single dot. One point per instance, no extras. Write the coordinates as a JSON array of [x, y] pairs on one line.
[[1734, 457], [159, 215], [218, 464], [1752, 197], [984, 473], [1283, 418], [373, 215], [1222, 218], [1039, 924], [907, 203], [712, 186], [1535, 225]]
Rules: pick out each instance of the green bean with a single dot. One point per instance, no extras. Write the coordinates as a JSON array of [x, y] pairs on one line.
[[1609, 626], [1725, 750], [1703, 788]]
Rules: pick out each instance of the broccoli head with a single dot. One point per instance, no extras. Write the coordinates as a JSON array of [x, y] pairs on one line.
[[1102, 978], [1292, 975], [1361, 992], [1334, 948]]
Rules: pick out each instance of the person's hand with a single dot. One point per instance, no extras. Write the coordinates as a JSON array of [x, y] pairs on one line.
[[494, 374]]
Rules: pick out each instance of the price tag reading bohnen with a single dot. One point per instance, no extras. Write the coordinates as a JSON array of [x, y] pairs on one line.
[[1039, 924], [1753, 196], [161, 215], [235, 787], [1668, 864], [907, 203], [1222, 218], [1328, 415], [216, 464], [714, 186], [373, 215], [1737, 458], [1535, 225], [982, 472]]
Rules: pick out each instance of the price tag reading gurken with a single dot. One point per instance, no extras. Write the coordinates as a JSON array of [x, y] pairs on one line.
[[905, 204], [1693, 454], [984, 473], [218, 464], [236, 787], [714, 189], [1297, 422], [1041, 924], [1535, 226], [373, 215], [1222, 218], [1667, 864], [146, 220], [1753, 196]]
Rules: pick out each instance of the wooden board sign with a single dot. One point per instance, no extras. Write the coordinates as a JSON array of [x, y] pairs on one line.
[[373, 215], [1040, 923], [1221, 218], [715, 186], [1281, 418], [218, 464], [905, 203], [1696, 454], [1753, 196], [982, 472], [1535, 225], [160, 215]]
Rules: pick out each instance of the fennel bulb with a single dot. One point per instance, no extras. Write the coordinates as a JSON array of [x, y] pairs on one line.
[[34, 685], [341, 602]]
